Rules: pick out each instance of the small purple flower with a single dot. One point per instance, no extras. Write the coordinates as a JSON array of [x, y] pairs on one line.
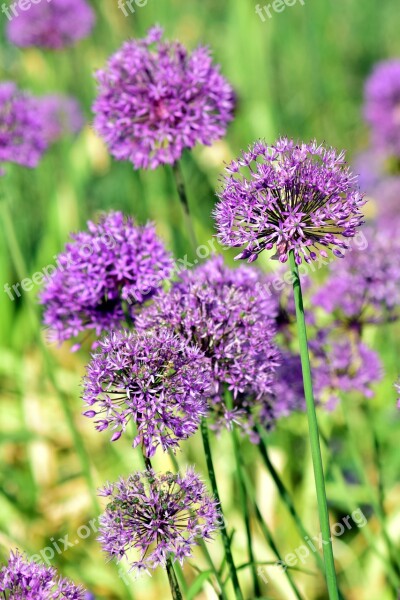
[[23, 580], [53, 24], [154, 379], [382, 105], [102, 276], [228, 314], [155, 102], [21, 137], [60, 115], [289, 196], [152, 516], [365, 286]]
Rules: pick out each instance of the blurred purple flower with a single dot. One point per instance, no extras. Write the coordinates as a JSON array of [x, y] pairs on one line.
[[52, 24], [102, 276], [289, 196], [156, 516], [229, 316], [365, 286], [155, 379], [154, 103], [382, 105], [21, 137], [24, 580], [397, 388], [60, 115]]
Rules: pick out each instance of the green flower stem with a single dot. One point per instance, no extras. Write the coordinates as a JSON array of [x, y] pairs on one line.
[[22, 272], [330, 573], [183, 197], [268, 535], [224, 533]]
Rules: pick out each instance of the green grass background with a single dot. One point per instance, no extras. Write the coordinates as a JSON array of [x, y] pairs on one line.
[[301, 73]]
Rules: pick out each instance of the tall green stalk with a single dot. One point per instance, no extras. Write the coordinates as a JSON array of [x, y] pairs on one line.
[[183, 197], [224, 532], [330, 573]]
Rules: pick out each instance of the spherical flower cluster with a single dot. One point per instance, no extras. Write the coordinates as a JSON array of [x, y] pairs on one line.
[[23, 580], [21, 137], [55, 25], [365, 286], [155, 102], [343, 366], [154, 516], [227, 314], [154, 379], [60, 115], [102, 276], [382, 105], [288, 197]]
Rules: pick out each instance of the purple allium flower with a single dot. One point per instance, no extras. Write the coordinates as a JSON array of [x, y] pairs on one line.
[[227, 314], [155, 516], [24, 580], [288, 389], [60, 115], [21, 138], [365, 286], [103, 275], [53, 24], [154, 379], [289, 196], [343, 366], [382, 105], [155, 102]]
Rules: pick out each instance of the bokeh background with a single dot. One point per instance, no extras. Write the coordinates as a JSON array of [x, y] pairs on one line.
[[300, 73]]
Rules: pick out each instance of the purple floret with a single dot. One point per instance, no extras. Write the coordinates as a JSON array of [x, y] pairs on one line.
[[382, 105], [53, 24], [155, 99], [23, 580], [151, 517], [154, 379], [227, 313], [22, 140], [103, 275], [288, 196]]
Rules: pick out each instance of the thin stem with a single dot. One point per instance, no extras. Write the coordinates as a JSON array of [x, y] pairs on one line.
[[330, 573], [173, 581], [183, 197], [21, 270], [224, 533]]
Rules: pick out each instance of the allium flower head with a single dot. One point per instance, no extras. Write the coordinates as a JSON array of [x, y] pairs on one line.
[[154, 379], [228, 315], [21, 137], [151, 516], [289, 196], [365, 286], [103, 275], [156, 99], [23, 580], [382, 105], [53, 24], [60, 115]]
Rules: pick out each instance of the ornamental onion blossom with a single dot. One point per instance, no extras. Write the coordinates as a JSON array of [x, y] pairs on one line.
[[382, 105], [152, 516], [60, 115], [227, 314], [53, 24], [24, 580], [154, 379], [155, 99], [365, 286], [103, 275], [288, 196], [21, 137]]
